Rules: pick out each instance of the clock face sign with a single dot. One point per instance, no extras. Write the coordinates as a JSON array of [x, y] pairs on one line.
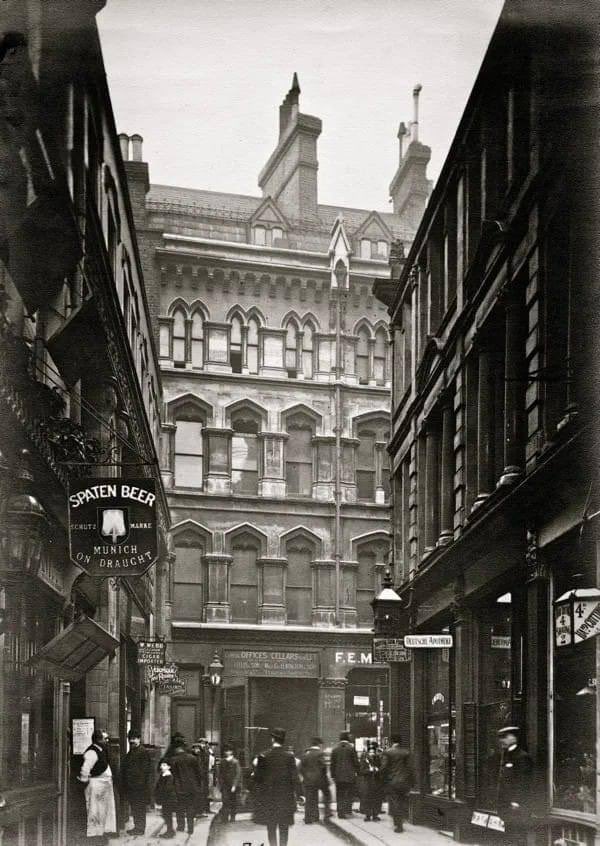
[[113, 526]]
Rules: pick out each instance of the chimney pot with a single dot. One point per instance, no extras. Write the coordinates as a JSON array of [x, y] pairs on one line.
[[124, 145], [415, 122], [136, 148]]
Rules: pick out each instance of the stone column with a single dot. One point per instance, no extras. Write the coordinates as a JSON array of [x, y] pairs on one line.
[[483, 428], [167, 435], [271, 608], [272, 482], [371, 362], [245, 350], [447, 475], [514, 388], [299, 349], [431, 486], [332, 709], [217, 607]]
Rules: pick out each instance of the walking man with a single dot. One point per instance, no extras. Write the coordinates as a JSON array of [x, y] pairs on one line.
[[197, 751], [99, 797], [514, 785], [136, 781], [230, 782], [279, 784], [314, 774], [344, 769], [187, 779], [398, 776]]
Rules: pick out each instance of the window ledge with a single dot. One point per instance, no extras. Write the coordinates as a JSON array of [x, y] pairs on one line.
[[574, 816]]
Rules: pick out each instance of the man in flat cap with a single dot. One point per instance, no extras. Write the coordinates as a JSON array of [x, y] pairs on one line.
[[277, 778], [514, 785]]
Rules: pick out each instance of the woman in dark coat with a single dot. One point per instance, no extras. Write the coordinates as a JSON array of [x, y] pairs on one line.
[[370, 783], [277, 789]]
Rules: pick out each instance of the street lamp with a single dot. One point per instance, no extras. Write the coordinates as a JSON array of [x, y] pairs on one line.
[[387, 609], [215, 675]]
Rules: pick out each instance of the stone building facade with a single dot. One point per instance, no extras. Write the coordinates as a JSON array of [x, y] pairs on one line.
[[276, 372], [80, 394], [494, 439]]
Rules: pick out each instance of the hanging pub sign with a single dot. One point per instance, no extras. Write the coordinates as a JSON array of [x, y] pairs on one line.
[[113, 526], [576, 616], [151, 652]]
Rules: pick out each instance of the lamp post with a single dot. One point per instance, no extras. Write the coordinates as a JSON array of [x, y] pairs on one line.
[[215, 675]]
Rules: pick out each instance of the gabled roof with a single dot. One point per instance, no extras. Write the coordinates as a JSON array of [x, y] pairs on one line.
[[269, 212], [374, 220]]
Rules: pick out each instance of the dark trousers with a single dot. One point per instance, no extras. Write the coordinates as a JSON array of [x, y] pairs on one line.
[[185, 813], [397, 802], [138, 812], [167, 815], [311, 809], [272, 832], [229, 807], [344, 794]]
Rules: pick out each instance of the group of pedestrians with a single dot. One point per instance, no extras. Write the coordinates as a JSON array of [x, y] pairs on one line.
[[182, 789]]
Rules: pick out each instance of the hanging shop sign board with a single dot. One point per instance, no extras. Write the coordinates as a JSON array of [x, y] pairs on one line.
[[160, 675], [484, 819], [151, 652], [173, 688], [428, 641], [113, 526], [389, 649], [576, 616]]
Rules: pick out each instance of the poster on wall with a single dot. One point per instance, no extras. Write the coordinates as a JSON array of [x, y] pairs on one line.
[[113, 526], [81, 733]]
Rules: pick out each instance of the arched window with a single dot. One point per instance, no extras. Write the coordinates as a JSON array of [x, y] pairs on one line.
[[380, 354], [362, 355], [307, 350], [299, 454], [291, 349], [370, 554], [188, 596], [253, 326], [188, 447], [298, 593], [179, 345], [368, 475], [243, 590], [235, 344], [164, 340], [197, 339], [244, 452]]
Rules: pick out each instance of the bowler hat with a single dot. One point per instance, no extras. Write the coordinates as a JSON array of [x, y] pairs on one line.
[[278, 735], [508, 730], [344, 735]]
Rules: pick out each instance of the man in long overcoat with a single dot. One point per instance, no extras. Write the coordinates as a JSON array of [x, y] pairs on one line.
[[344, 769], [514, 785], [136, 781], [188, 784], [313, 770], [398, 777], [278, 786]]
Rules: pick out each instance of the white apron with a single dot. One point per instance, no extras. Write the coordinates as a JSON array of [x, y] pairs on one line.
[[100, 804]]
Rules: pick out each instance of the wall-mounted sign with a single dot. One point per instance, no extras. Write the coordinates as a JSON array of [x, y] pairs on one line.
[[500, 642], [177, 687], [576, 616], [483, 819], [81, 734], [112, 526], [353, 656], [276, 664], [160, 675], [361, 700], [428, 641], [388, 649], [151, 652]]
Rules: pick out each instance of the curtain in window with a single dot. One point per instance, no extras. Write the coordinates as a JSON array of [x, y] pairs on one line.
[[380, 356], [291, 344], [164, 341]]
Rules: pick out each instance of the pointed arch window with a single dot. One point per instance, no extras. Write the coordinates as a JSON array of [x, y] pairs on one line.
[[307, 350], [299, 455], [235, 344], [188, 596], [164, 340], [253, 327], [243, 590], [244, 452], [372, 461], [362, 355], [370, 555], [291, 349], [380, 354], [298, 592], [189, 423], [197, 339], [179, 344]]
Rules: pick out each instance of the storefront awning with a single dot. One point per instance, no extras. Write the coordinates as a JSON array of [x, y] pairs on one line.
[[75, 650]]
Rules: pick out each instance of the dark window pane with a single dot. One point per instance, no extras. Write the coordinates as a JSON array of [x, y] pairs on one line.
[[365, 482], [244, 603], [299, 605], [187, 601], [299, 478], [188, 564], [235, 359], [244, 481], [244, 565], [363, 606]]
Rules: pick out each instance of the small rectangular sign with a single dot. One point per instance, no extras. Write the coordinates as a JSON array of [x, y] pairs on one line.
[[177, 687], [500, 642], [151, 652], [81, 734], [160, 675], [362, 700], [389, 649], [496, 823], [428, 641], [480, 819]]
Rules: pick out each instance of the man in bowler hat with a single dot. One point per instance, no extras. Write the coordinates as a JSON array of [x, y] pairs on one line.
[[514, 785], [279, 786], [313, 770], [344, 769]]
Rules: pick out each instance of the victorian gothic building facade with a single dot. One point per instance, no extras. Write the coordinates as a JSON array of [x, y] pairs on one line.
[[276, 370]]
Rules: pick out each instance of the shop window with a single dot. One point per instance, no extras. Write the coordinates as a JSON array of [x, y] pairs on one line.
[[188, 448], [243, 592], [574, 695], [179, 345], [244, 453], [253, 326], [362, 355], [197, 339], [298, 592], [27, 735], [307, 350], [187, 583], [440, 718], [235, 344], [299, 455]]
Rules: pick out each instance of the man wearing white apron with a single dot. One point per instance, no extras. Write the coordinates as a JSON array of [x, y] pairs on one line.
[[99, 797]]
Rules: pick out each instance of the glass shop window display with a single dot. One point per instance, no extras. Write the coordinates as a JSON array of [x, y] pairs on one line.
[[574, 682], [441, 745]]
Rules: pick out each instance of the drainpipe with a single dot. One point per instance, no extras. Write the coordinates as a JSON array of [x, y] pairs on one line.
[[340, 294]]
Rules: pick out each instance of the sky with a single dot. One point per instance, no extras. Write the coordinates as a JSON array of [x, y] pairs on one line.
[[202, 81]]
